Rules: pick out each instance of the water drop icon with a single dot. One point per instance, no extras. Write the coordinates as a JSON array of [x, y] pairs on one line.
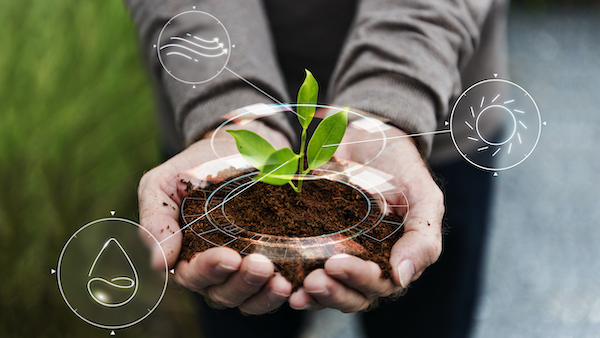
[[117, 291]]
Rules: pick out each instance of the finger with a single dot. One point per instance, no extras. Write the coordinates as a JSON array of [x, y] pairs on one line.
[[301, 300], [159, 215], [364, 276], [421, 244], [270, 297], [255, 271], [210, 267], [330, 293]]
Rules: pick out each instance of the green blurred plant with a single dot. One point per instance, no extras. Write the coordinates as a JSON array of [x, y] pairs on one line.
[[77, 132]]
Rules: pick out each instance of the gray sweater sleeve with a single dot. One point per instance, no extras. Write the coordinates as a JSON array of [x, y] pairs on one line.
[[198, 110], [402, 60]]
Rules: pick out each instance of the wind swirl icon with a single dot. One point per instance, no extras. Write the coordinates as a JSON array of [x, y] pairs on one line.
[[191, 47]]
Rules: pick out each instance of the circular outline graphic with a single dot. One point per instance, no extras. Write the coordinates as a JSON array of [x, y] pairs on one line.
[[464, 93], [231, 232], [102, 326], [288, 107], [496, 143], [243, 185], [169, 72]]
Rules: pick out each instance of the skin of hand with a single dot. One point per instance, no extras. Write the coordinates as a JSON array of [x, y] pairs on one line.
[[221, 275], [350, 284]]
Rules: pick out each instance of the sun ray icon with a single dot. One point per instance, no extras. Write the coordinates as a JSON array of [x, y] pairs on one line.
[[507, 126]]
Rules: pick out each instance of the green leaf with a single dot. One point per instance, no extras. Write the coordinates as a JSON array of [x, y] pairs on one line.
[[280, 167], [329, 132], [255, 149], [308, 93]]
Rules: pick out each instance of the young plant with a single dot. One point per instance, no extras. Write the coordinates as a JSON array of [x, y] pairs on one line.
[[279, 167]]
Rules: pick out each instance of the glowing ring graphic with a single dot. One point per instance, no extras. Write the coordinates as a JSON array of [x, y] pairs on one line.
[[59, 271], [477, 147], [486, 109], [222, 232], [196, 50], [271, 109]]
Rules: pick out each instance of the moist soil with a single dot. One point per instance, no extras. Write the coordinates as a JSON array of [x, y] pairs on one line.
[[323, 207]]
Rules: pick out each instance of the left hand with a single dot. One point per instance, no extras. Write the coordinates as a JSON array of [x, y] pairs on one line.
[[350, 284], [220, 274]]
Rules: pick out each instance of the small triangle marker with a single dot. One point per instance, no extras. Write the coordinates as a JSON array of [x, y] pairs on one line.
[[446, 123], [495, 175], [112, 212], [194, 86], [172, 271], [495, 74], [544, 123], [52, 271], [193, 7], [112, 333]]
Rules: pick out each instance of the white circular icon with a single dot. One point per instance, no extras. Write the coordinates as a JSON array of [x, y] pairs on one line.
[[193, 47], [105, 275], [495, 124]]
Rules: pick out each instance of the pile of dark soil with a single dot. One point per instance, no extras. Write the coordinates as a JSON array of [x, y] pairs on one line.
[[324, 207]]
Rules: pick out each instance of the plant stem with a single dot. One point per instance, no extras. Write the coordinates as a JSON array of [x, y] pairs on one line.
[[301, 162], [294, 187]]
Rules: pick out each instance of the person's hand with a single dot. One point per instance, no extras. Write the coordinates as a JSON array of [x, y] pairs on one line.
[[351, 284], [219, 274]]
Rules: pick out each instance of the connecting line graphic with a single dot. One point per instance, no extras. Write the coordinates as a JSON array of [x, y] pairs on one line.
[[224, 201], [387, 138], [260, 90]]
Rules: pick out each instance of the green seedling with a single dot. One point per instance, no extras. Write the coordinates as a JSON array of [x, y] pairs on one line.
[[279, 167]]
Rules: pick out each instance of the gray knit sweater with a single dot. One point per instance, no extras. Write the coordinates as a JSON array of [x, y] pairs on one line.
[[403, 60]]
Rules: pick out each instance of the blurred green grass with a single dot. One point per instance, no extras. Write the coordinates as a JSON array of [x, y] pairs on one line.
[[77, 131]]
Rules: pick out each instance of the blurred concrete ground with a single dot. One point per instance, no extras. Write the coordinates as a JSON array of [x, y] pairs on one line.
[[543, 258]]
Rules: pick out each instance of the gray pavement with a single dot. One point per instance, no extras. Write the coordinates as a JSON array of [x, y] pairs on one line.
[[543, 261]]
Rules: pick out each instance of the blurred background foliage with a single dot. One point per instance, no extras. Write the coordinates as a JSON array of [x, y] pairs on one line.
[[77, 131]]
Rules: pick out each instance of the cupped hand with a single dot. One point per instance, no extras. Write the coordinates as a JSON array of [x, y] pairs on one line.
[[221, 275], [351, 284]]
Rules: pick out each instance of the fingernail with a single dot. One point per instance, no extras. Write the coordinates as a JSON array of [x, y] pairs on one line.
[[340, 256], [338, 275], [259, 258], [323, 293], [223, 269], [254, 278], [275, 296], [305, 307], [406, 271]]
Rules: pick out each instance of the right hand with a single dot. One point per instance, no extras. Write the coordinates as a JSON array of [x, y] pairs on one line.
[[221, 275]]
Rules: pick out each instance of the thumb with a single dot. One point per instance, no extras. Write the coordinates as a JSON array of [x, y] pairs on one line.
[[159, 216], [421, 244]]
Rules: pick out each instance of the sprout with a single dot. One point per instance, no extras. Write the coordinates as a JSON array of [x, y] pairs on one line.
[[279, 167]]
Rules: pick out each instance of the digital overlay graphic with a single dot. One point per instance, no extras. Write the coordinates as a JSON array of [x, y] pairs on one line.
[[105, 277]]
